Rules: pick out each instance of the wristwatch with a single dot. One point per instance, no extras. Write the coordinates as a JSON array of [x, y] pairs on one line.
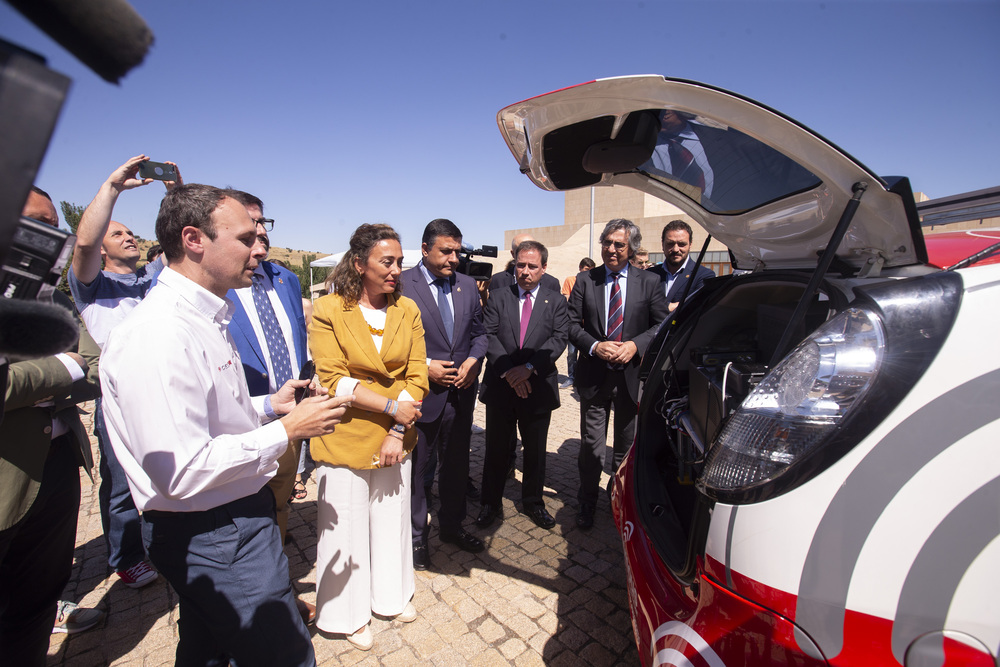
[[531, 369]]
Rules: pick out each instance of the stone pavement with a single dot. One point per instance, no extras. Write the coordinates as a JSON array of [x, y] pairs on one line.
[[534, 597]]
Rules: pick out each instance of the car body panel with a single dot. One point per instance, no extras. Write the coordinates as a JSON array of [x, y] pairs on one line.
[[946, 249]]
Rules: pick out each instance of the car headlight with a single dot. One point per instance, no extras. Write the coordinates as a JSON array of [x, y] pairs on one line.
[[796, 406]]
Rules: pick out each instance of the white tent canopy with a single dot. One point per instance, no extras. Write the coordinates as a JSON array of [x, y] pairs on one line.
[[410, 259]]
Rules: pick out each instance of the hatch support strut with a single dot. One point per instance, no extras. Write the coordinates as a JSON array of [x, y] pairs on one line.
[[824, 264]]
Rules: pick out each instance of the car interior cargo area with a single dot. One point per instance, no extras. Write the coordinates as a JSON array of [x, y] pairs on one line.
[[712, 359]]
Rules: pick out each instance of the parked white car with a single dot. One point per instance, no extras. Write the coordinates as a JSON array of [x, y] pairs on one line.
[[816, 472]]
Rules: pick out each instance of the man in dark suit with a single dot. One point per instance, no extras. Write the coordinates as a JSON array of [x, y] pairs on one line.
[[42, 446], [614, 312], [677, 270], [267, 317], [456, 344], [724, 170], [527, 326]]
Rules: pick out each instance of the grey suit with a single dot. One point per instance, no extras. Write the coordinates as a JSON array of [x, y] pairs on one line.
[[600, 386], [40, 494]]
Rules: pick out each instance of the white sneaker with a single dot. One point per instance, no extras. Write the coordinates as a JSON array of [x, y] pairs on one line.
[[409, 614], [363, 638]]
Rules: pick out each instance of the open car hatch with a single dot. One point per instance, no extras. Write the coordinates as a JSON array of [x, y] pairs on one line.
[[770, 189]]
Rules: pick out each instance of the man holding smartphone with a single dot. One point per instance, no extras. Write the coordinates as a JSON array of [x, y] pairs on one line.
[[106, 286]]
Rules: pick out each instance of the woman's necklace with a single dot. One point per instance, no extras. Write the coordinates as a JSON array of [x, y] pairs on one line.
[[376, 332]]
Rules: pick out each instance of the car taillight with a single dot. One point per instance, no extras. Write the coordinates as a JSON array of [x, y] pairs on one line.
[[831, 390]]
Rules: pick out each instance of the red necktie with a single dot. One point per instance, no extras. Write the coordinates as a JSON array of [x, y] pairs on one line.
[[682, 164], [525, 316]]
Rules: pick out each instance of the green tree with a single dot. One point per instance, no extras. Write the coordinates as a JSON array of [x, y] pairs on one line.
[[303, 273], [71, 214]]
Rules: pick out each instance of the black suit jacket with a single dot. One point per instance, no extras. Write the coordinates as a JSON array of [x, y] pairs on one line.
[[544, 342], [645, 307], [677, 289]]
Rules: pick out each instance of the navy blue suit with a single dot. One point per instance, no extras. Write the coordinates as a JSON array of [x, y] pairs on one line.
[[289, 290], [677, 289], [446, 422]]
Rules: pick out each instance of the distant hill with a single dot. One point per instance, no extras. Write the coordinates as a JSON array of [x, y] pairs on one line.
[[287, 255]]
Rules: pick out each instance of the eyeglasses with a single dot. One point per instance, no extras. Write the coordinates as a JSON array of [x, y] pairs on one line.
[[619, 245], [266, 223]]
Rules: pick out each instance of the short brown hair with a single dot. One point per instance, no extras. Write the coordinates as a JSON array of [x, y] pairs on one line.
[[188, 205]]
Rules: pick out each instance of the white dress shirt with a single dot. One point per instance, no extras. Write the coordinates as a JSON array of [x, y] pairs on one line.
[[672, 275], [245, 295], [177, 406]]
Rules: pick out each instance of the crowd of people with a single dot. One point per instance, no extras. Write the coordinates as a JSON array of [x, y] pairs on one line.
[[211, 373]]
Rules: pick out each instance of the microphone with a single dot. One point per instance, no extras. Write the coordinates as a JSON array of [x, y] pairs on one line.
[[33, 329]]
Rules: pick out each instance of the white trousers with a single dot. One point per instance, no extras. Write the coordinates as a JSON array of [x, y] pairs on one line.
[[364, 558]]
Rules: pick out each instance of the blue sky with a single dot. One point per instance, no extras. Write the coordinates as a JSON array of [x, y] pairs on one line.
[[337, 114]]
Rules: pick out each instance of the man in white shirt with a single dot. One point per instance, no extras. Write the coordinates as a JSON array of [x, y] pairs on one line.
[[189, 438]]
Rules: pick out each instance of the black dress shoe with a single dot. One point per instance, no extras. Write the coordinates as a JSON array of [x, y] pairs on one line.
[[585, 518], [464, 541], [488, 515], [421, 557], [540, 516], [471, 491]]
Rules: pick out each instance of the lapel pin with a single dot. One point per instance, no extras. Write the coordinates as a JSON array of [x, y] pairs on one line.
[[281, 280], [458, 289]]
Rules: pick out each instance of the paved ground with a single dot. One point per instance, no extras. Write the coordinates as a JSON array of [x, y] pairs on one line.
[[534, 597]]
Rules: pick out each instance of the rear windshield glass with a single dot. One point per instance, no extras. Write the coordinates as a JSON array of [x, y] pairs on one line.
[[722, 169]]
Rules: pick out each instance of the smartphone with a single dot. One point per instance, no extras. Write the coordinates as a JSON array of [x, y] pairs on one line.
[[308, 370], [160, 171]]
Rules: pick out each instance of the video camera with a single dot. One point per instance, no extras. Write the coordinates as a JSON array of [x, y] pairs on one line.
[[476, 270]]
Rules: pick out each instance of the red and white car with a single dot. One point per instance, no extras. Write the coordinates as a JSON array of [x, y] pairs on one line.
[[816, 472]]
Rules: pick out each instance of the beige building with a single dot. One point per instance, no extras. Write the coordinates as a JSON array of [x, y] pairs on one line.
[[575, 238]]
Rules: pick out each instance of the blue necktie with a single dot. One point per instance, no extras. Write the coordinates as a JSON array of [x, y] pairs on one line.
[[277, 348], [446, 315]]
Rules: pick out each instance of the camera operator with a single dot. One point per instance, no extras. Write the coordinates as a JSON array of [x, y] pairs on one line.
[[42, 445]]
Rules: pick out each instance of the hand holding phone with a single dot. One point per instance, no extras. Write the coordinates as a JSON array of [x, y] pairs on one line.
[[160, 171], [307, 373]]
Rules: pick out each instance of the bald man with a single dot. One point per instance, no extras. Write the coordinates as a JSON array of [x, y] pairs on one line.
[[104, 296]]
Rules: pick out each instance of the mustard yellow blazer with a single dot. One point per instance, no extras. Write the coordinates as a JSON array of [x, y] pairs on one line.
[[342, 346]]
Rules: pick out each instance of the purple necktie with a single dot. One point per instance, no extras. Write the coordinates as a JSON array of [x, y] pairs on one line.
[[525, 315]]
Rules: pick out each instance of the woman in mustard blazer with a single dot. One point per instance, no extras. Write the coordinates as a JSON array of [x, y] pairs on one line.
[[367, 340]]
